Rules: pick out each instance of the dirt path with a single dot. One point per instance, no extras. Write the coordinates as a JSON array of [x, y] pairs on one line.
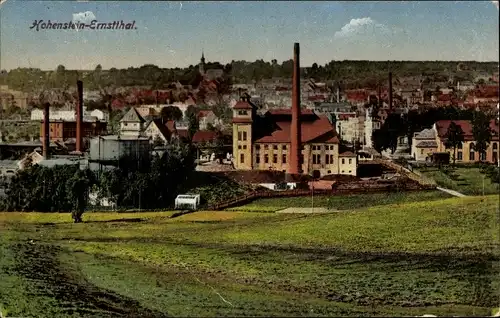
[[39, 264], [306, 210], [452, 192]]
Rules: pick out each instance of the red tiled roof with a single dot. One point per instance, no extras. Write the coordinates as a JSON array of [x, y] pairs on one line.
[[204, 135], [444, 98], [204, 113], [288, 111], [320, 129], [170, 124], [346, 116], [442, 128], [184, 133], [242, 120], [242, 105]]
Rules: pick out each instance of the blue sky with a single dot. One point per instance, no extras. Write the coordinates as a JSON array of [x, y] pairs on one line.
[[171, 34]]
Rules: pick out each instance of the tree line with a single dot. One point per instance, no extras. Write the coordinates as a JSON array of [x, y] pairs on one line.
[[28, 79], [145, 185], [397, 125]]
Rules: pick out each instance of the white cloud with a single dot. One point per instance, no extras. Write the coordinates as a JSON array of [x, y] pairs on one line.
[[358, 26], [495, 2], [83, 17]]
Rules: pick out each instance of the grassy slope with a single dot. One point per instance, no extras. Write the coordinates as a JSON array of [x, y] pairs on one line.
[[469, 180], [341, 202], [389, 260]]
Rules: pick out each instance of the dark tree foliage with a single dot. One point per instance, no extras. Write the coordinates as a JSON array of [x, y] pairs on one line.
[[482, 133], [171, 113], [415, 121], [454, 138], [152, 188], [57, 189]]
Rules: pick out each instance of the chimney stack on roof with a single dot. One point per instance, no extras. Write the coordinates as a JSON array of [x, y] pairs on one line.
[[390, 90], [79, 117], [46, 131], [295, 131]]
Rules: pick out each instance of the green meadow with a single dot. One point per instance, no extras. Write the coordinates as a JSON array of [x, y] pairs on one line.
[[400, 258]]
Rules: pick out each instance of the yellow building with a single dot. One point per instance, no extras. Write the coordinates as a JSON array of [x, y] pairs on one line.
[[262, 142], [466, 153]]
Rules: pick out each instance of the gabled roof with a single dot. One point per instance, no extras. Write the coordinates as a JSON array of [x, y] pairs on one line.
[[427, 144], [132, 116], [162, 127], [204, 135], [243, 105], [426, 134]]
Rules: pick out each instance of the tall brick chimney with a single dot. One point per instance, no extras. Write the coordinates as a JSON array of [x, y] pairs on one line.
[[79, 117], [390, 90], [46, 131], [295, 131]]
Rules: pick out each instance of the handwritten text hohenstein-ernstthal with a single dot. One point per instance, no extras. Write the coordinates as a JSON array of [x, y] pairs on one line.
[[93, 25]]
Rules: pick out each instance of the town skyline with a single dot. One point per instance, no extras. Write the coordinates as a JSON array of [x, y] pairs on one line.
[[461, 31]]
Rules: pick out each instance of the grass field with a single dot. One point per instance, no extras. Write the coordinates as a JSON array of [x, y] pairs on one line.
[[429, 257], [341, 202], [466, 180]]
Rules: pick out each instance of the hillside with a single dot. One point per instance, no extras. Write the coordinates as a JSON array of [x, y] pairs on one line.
[[416, 258]]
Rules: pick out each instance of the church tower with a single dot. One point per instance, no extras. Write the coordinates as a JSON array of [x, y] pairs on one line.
[[201, 67]]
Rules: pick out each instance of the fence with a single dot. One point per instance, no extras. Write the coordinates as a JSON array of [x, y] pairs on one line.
[[422, 180]]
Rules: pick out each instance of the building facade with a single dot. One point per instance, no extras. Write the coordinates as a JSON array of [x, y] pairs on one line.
[[466, 152], [262, 142], [61, 131]]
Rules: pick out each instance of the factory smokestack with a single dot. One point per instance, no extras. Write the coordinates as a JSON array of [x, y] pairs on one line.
[[295, 131], [79, 117], [390, 90], [46, 131]]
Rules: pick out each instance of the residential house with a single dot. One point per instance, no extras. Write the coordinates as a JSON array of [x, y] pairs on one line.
[[466, 152], [370, 125], [132, 123], [348, 127], [423, 144], [348, 163], [206, 117], [262, 142], [157, 129]]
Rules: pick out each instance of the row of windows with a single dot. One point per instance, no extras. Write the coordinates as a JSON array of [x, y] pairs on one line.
[[275, 147], [316, 159], [482, 156], [242, 112], [494, 145], [326, 147], [242, 135], [266, 158]]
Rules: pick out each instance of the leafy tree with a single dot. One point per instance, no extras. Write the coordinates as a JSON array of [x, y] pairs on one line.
[[78, 193], [193, 124], [482, 133], [171, 113], [454, 138]]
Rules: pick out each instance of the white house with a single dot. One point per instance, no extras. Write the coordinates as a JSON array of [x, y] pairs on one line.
[[206, 117], [370, 126], [69, 115], [132, 124], [156, 129], [348, 163], [423, 144]]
